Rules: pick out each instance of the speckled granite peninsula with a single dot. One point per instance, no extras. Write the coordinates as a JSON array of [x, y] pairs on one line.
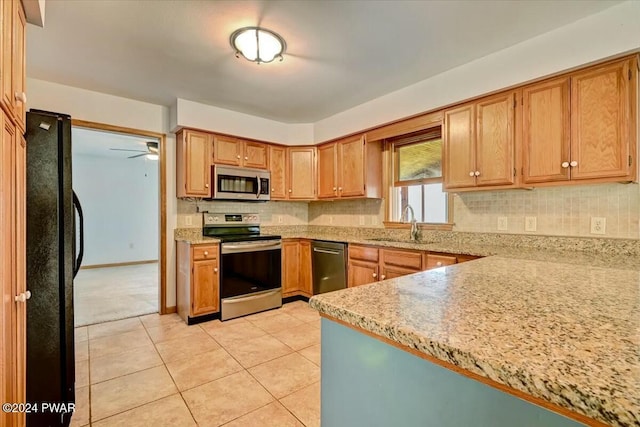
[[566, 333]]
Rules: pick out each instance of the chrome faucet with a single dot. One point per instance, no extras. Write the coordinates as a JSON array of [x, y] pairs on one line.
[[414, 223]]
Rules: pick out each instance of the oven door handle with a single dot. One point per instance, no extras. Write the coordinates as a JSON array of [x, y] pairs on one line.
[[253, 247], [243, 298]]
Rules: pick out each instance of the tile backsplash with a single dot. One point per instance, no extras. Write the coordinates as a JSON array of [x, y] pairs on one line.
[[347, 213], [559, 211]]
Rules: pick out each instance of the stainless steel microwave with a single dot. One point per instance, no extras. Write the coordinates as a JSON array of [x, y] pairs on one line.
[[234, 183]]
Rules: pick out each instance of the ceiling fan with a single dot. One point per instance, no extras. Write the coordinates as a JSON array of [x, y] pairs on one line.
[[151, 152]]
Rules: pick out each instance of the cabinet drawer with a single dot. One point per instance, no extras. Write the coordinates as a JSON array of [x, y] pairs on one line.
[[363, 253], [406, 259], [435, 261], [205, 252]]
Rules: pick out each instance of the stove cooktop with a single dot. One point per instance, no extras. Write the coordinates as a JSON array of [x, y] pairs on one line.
[[245, 237]]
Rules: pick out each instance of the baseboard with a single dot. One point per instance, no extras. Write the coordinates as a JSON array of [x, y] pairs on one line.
[[295, 298], [118, 264], [170, 310]]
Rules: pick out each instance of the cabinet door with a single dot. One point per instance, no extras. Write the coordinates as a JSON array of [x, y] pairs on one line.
[[227, 150], [6, 69], [495, 140], [437, 261], [277, 166], [290, 266], [600, 109], [546, 131], [20, 275], [306, 279], [393, 271], [193, 164], [351, 167], [255, 155], [327, 171], [362, 272], [18, 57], [205, 287], [302, 173], [406, 259], [458, 156]]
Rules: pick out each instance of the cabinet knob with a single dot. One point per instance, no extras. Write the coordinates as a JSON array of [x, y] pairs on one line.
[[477, 173], [238, 156], [439, 263], [335, 188], [27, 294], [382, 277], [246, 158], [290, 191], [375, 275], [215, 270], [206, 253], [472, 173], [20, 298], [565, 164], [206, 186], [573, 164], [21, 97], [339, 188]]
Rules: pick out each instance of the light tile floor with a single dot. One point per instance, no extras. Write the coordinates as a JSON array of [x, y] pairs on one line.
[[259, 370], [112, 293]]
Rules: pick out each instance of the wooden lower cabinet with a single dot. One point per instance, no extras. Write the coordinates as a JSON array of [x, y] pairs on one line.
[[432, 260], [198, 280], [296, 268]]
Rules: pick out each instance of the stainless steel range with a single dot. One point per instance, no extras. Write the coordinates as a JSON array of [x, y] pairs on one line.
[[251, 264]]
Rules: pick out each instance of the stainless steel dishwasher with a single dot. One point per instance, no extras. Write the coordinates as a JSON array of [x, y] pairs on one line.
[[329, 266]]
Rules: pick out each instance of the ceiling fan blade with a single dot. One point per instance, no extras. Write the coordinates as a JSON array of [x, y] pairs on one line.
[[137, 155], [124, 149]]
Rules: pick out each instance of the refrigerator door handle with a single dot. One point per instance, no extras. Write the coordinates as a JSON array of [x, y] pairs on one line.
[[78, 261]]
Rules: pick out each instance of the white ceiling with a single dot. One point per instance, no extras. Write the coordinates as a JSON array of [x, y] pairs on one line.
[[340, 53], [99, 143]]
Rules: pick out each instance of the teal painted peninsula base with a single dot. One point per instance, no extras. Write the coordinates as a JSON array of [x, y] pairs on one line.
[[366, 382]]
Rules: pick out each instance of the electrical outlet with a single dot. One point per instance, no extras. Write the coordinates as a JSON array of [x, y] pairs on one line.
[[530, 223], [279, 219], [330, 219], [598, 225], [188, 220], [361, 219], [502, 223]]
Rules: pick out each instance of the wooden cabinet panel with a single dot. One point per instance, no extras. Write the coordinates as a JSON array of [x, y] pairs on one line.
[[306, 279], [193, 164], [328, 171], [18, 63], [495, 140], [546, 131], [362, 272], [302, 173], [6, 67], [278, 168], [407, 259], [255, 155], [290, 266], [436, 260], [364, 253], [600, 122], [458, 163], [204, 287], [20, 249], [205, 252], [351, 167], [227, 150], [394, 271]]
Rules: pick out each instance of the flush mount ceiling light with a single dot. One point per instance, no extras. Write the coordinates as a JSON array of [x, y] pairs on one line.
[[257, 44]]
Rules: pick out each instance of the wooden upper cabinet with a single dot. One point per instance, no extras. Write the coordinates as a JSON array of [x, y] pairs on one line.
[[458, 156], [351, 167], [18, 65], [227, 150], [600, 131], [495, 140], [193, 174], [6, 55], [546, 131], [479, 143], [205, 287], [238, 152], [278, 169], [255, 155], [301, 173], [328, 171]]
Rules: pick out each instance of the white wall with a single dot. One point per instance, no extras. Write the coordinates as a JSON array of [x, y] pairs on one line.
[[119, 198], [608, 33], [113, 110]]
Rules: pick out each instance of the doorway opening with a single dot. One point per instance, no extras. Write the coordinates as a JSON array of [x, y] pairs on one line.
[[118, 176]]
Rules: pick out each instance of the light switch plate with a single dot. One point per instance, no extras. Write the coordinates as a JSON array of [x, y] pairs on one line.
[[188, 220], [530, 223], [361, 219], [598, 225], [502, 223]]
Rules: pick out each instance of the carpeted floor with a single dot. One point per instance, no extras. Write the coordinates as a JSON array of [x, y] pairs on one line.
[[104, 294]]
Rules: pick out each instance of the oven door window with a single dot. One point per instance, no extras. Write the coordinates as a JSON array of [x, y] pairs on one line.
[[249, 272], [237, 184]]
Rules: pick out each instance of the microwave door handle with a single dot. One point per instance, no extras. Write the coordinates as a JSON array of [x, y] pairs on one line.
[[258, 186]]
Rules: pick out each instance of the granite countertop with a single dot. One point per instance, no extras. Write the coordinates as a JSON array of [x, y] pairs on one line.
[[193, 236], [565, 332]]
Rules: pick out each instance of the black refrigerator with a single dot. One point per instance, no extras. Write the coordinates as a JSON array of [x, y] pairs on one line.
[[53, 259]]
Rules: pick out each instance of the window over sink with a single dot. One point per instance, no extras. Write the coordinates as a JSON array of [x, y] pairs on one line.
[[416, 171]]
